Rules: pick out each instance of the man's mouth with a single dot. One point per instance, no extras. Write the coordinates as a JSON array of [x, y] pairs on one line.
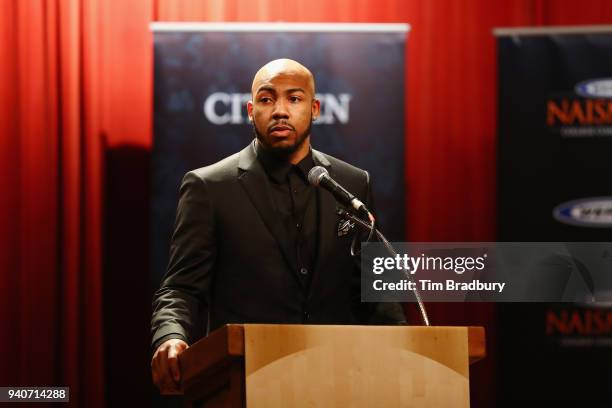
[[281, 130]]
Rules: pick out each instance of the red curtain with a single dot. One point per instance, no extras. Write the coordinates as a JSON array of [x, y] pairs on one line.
[[77, 86], [75, 80], [51, 198]]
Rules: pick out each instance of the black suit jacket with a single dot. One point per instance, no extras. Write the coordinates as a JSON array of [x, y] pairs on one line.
[[226, 257]]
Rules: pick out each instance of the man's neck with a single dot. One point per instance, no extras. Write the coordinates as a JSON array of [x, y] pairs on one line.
[[301, 152], [294, 158]]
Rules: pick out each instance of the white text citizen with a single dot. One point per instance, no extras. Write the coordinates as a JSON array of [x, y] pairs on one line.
[[221, 108]]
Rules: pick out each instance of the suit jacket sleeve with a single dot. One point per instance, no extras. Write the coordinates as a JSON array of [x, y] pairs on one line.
[[382, 312], [178, 303]]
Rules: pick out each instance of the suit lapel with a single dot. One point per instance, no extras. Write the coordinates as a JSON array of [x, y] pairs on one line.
[[327, 218], [254, 180]]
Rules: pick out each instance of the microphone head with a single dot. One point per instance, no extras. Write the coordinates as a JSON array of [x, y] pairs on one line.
[[316, 174]]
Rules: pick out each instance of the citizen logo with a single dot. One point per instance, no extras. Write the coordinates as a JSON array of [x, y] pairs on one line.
[[221, 108]]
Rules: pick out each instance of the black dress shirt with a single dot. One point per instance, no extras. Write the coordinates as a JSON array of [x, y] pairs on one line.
[[296, 205]]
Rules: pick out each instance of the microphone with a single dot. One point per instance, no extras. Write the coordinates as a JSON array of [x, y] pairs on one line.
[[318, 176]]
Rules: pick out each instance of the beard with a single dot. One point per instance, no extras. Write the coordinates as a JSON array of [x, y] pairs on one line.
[[282, 151]]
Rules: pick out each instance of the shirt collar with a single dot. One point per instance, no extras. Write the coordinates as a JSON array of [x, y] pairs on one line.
[[278, 168]]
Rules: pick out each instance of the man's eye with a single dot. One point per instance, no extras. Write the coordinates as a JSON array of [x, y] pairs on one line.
[[265, 99], [295, 98]]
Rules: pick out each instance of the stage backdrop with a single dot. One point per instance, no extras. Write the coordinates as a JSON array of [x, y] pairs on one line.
[[555, 144], [203, 75]]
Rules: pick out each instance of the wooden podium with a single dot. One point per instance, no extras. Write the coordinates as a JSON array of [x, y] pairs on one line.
[[331, 366]]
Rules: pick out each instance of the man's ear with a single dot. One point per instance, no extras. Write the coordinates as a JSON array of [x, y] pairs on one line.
[[316, 108], [250, 110]]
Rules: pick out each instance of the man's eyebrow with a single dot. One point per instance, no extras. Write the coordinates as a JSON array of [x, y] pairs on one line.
[[292, 90], [266, 89]]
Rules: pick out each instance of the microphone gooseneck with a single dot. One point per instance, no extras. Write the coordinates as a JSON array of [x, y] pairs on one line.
[[393, 253], [318, 176]]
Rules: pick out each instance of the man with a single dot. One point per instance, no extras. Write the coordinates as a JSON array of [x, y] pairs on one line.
[[253, 241]]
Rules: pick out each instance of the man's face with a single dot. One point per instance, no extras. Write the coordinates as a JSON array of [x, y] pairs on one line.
[[282, 110]]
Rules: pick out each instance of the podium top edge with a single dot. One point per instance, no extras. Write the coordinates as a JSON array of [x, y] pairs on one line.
[[279, 27]]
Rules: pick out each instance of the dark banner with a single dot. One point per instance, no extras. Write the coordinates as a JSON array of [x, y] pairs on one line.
[[555, 141], [203, 77]]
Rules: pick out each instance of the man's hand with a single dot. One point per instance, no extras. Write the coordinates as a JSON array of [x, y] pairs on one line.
[[165, 366]]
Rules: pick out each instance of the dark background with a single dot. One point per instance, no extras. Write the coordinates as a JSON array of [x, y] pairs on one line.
[[538, 170]]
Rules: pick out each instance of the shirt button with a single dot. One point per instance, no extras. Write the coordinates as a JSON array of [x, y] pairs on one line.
[[304, 271]]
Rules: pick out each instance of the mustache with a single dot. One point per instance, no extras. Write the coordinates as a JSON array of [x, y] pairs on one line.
[[280, 123]]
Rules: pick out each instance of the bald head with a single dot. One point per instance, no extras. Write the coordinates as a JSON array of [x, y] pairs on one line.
[[283, 67], [283, 108]]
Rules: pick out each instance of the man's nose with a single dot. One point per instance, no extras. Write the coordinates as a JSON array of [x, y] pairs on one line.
[[280, 110]]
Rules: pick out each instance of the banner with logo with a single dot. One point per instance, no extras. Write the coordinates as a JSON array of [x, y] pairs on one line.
[[203, 75], [554, 184]]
